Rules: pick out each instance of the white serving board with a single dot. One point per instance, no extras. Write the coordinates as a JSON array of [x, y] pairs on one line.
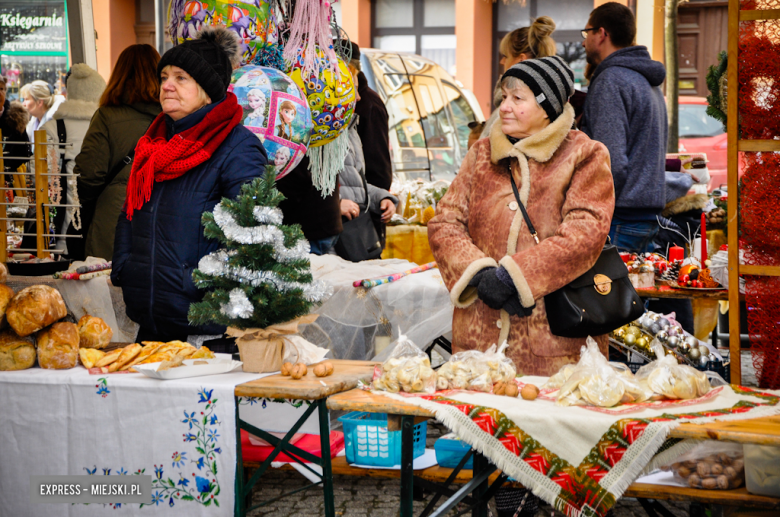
[[216, 366]]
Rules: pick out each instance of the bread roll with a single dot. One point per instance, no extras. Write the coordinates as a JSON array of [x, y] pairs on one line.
[[94, 332], [35, 307], [3, 272], [6, 294], [58, 346], [16, 353]]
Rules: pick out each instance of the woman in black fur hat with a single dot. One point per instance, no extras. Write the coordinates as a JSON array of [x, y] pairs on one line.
[[195, 153]]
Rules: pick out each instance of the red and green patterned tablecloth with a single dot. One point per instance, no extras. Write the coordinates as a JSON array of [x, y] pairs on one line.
[[580, 461]]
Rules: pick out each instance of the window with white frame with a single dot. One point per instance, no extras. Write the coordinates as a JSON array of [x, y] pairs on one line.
[[424, 27]]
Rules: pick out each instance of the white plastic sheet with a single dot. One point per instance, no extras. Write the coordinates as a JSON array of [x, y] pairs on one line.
[[353, 320]]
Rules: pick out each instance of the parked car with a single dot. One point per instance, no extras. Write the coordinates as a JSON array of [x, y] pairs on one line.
[[700, 133], [429, 113]]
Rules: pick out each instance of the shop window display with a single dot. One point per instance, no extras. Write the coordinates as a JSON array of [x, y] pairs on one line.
[[33, 44]]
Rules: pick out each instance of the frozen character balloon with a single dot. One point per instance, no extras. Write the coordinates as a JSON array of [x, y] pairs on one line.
[[252, 20], [255, 99], [287, 112], [281, 158]]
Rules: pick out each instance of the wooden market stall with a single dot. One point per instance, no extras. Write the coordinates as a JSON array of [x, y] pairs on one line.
[[746, 18]]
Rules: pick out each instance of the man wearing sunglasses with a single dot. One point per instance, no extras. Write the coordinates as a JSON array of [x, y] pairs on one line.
[[625, 110]]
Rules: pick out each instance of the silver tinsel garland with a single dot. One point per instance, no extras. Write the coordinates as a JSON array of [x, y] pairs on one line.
[[239, 305], [263, 234], [216, 264]]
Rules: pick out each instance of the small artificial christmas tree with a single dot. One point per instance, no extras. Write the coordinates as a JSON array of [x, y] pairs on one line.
[[262, 277]]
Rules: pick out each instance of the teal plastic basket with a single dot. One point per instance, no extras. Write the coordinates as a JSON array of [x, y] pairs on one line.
[[368, 442]]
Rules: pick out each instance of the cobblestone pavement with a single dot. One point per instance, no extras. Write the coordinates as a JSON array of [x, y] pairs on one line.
[[369, 497]]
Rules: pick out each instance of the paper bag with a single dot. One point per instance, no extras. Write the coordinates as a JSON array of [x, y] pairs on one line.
[[262, 350]]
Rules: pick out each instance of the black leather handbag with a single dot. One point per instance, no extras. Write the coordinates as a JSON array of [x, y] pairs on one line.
[[597, 302], [358, 240]]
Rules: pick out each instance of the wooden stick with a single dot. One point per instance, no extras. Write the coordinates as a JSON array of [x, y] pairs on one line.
[[3, 213], [41, 194], [732, 204]]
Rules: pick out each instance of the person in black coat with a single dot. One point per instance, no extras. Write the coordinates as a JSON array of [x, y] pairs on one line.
[[195, 153], [374, 131], [13, 124], [319, 217]]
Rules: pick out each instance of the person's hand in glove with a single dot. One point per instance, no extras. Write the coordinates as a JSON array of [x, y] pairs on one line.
[[496, 289]]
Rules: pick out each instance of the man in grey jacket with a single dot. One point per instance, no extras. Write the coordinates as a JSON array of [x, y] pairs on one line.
[[625, 110]]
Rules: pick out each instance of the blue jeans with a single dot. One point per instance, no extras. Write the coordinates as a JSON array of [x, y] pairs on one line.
[[633, 236], [323, 246]]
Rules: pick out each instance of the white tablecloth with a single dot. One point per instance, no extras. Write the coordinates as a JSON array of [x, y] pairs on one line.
[[182, 432]]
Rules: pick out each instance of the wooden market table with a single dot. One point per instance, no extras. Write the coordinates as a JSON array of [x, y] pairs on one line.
[[346, 375], [683, 294], [760, 431]]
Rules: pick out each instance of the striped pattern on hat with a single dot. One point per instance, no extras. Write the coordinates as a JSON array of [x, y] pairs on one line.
[[549, 78]]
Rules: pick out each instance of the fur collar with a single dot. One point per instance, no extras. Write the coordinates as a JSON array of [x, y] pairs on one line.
[[685, 204], [539, 147], [78, 110]]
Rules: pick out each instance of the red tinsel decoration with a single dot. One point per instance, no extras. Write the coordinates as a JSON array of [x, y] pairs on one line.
[[759, 197]]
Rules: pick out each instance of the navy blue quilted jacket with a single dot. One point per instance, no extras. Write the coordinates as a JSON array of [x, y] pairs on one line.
[[156, 252]]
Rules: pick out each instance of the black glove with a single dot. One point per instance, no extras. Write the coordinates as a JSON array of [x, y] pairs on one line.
[[515, 308], [493, 291], [476, 279]]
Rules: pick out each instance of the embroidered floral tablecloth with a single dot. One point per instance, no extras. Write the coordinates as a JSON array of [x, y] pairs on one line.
[[579, 460], [181, 432]]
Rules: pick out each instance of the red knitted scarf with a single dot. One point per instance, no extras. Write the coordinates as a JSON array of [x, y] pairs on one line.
[[158, 159]]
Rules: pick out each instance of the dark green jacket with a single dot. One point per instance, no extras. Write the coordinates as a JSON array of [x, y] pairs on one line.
[[113, 133]]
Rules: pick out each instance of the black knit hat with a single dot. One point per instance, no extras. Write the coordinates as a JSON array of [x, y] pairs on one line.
[[209, 59], [549, 78]]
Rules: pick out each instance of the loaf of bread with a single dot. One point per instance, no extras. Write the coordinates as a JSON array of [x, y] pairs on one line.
[[16, 353], [35, 307], [6, 294], [58, 346], [94, 332]]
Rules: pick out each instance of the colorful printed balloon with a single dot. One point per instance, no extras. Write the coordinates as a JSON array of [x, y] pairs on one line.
[[276, 111], [331, 99], [252, 20]]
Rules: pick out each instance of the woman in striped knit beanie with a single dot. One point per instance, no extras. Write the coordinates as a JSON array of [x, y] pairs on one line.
[[497, 272]]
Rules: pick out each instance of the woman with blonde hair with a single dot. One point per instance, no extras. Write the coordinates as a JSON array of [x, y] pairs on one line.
[[532, 42], [40, 101]]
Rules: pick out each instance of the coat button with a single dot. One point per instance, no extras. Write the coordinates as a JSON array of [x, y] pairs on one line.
[[513, 205], [499, 324]]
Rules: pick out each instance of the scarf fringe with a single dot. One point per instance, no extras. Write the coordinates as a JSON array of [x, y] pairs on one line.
[[326, 162]]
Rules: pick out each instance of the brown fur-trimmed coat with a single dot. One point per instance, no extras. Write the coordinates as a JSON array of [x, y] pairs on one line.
[[565, 183]]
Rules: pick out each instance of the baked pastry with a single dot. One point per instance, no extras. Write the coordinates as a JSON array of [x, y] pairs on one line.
[[109, 358], [94, 332], [58, 346], [6, 294], [147, 350], [128, 354], [16, 353], [90, 356], [3, 272], [202, 353], [34, 308]]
